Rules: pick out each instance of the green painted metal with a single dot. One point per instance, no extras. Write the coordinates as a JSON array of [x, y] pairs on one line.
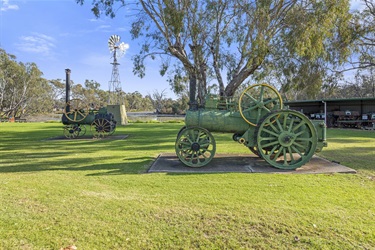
[[217, 120], [257, 101], [336, 100], [321, 132], [286, 139], [102, 127], [77, 114], [195, 146], [227, 115], [72, 131]]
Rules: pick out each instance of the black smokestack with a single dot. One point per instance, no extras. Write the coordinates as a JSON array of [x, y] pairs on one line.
[[193, 105], [67, 88]]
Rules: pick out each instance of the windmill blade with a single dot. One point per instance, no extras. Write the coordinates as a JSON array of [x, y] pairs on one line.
[[114, 39], [113, 42]]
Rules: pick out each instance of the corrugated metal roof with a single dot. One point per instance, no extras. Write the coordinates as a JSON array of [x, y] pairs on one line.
[[332, 100]]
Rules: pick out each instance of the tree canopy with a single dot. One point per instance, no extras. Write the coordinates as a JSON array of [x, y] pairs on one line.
[[21, 85], [23, 92], [226, 42], [364, 53]]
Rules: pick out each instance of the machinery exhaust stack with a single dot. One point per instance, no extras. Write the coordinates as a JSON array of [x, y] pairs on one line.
[[67, 89]]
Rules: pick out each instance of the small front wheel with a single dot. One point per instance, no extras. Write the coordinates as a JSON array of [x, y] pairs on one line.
[[195, 146], [72, 131]]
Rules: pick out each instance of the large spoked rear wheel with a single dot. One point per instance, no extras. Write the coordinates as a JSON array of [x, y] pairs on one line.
[[257, 101], [195, 146], [101, 128], [255, 151], [286, 139], [76, 110]]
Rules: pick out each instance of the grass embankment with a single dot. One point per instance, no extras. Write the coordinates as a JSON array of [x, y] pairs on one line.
[[96, 195]]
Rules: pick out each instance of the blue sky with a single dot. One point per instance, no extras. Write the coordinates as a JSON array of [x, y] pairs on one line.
[[60, 34]]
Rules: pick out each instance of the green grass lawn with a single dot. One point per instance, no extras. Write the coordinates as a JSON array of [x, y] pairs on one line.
[[96, 194]]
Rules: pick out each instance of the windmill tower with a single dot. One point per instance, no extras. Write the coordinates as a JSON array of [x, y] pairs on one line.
[[117, 49], [116, 104]]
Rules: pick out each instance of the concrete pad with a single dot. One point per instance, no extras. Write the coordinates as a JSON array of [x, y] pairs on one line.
[[224, 163], [88, 137]]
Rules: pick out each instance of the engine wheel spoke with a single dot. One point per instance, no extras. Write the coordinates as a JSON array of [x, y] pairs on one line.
[[195, 146], [292, 145], [257, 101]]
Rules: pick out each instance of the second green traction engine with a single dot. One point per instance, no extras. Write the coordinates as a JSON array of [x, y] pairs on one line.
[[285, 138], [77, 114]]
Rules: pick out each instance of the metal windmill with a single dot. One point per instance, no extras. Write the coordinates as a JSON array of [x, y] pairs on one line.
[[118, 49]]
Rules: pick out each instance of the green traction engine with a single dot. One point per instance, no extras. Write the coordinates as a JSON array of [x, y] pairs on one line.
[[77, 114], [285, 138]]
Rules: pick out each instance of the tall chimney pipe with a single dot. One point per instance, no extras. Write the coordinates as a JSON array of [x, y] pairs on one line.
[[67, 89], [193, 105]]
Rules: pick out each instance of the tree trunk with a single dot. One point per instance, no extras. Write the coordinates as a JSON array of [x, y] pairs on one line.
[[239, 79]]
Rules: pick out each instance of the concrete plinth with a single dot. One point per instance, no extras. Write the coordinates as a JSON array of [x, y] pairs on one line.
[[223, 163], [119, 112]]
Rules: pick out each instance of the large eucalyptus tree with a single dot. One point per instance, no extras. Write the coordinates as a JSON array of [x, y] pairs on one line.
[[365, 44], [22, 88], [227, 41]]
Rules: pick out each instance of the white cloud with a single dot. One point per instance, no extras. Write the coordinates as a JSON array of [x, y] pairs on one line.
[[94, 20], [123, 47], [104, 27], [5, 6], [37, 43]]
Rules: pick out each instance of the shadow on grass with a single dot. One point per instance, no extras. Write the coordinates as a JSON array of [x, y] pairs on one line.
[[23, 150], [134, 166], [29, 151]]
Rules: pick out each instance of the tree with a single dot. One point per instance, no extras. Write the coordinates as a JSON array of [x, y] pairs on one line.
[[58, 93], [133, 100], [234, 38], [179, 83], [303, 73], [93, 94], [22, 88], [136, 102], [40, 101], [365, 44], [363, 87], [180, 105], [90, 93], [158, 101]]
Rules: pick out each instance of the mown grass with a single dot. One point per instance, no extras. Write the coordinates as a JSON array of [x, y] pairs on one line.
[[97, 195]]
